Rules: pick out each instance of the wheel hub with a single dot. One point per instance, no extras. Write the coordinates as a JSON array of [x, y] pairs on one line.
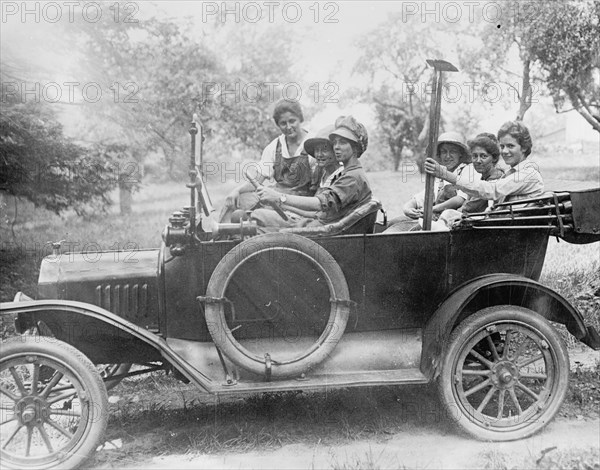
[[31, 410], [504, 374]]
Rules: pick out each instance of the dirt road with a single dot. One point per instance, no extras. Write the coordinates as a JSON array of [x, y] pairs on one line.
[[418, 449], [157, 423]]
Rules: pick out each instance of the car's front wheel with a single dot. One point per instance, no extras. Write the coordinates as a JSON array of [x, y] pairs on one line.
[[504, 373], [53, 404]]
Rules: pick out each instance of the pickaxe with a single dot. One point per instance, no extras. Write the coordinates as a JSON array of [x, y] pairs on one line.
[[439, 66]]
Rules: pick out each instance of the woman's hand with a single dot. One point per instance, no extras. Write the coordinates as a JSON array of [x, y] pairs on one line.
[[268, 195], [232, 198], [413, 213], [434, 168]]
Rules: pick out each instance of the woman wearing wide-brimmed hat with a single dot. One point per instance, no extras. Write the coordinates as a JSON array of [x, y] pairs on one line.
[[328, 168], [453, 153], [349, 190]]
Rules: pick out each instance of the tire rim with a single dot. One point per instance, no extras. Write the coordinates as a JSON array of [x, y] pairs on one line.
[[505, 376], [334, 326], [263, 363], [45, 411]]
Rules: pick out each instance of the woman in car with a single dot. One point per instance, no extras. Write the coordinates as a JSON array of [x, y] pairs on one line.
[[521, 181], [454, 154], [349, 190], [485, 154], [284, 163], [328, 169]]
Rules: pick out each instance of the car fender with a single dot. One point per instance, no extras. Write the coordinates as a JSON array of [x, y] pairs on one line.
[[498, 289], [81, 324]]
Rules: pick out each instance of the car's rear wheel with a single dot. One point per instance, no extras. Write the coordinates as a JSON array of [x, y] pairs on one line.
[[54, 406], [286, 287], [504, 373]]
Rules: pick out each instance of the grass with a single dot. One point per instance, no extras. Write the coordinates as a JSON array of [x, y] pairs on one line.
[[166, 417], [574, 272], [158, 415]]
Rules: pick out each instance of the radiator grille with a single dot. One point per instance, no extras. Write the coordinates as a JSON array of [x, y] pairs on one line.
[[129, 300]]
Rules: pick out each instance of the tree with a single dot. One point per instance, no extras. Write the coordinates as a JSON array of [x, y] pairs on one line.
[[263, 66], [400, 124], [565, 42], [393, 56], [152, 76], [37, 162], [557, 46], [497, 49]]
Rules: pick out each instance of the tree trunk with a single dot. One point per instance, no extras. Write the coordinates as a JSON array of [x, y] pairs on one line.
[[397, 157], [125, 199], [525, 97], [593, 120], [583, 108]]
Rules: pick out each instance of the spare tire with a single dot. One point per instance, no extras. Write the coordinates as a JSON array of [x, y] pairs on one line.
[[272, 245]]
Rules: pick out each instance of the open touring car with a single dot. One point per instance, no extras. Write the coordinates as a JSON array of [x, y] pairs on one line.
[[346, 305]]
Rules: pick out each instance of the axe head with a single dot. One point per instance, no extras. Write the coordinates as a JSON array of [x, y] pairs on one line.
[[441, 65]]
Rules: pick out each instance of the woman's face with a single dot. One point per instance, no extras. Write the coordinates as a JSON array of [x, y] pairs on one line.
[[511, 151], [483, 162], [324, 155], [289, 125], [342, 148], [449, 155]]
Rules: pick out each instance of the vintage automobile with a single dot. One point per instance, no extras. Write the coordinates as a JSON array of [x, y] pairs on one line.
[[346, 305]]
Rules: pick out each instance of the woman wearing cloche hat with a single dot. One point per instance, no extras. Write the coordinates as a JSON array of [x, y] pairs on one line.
[[348, 191]]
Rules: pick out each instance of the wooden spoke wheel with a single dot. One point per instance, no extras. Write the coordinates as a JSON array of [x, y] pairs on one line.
[[54, 406], [504, 374]]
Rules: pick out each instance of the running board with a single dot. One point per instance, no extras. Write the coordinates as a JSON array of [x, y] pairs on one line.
[[368, 358], [328, 381]]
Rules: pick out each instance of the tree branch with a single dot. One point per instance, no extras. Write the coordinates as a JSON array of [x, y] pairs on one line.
[[587, 113]]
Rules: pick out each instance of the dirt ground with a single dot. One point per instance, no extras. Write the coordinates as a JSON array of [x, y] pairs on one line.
[[418, 444], [420, 449]]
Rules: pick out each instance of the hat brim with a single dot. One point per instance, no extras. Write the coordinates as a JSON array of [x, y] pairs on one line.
[[345, 133], [454, 142], [310, 144]]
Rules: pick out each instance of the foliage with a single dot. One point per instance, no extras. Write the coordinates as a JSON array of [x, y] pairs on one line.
[[393, 56], [565, 42], [152, 73], [556, 44], [400, 125], [583, 397], [39, 163], [490, 56], [264, 57]]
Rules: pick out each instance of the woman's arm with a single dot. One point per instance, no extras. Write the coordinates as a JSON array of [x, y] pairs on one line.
[[523, 181], [452, 203], [411, 210], [232, 198], [307, 203], [300, 212]]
